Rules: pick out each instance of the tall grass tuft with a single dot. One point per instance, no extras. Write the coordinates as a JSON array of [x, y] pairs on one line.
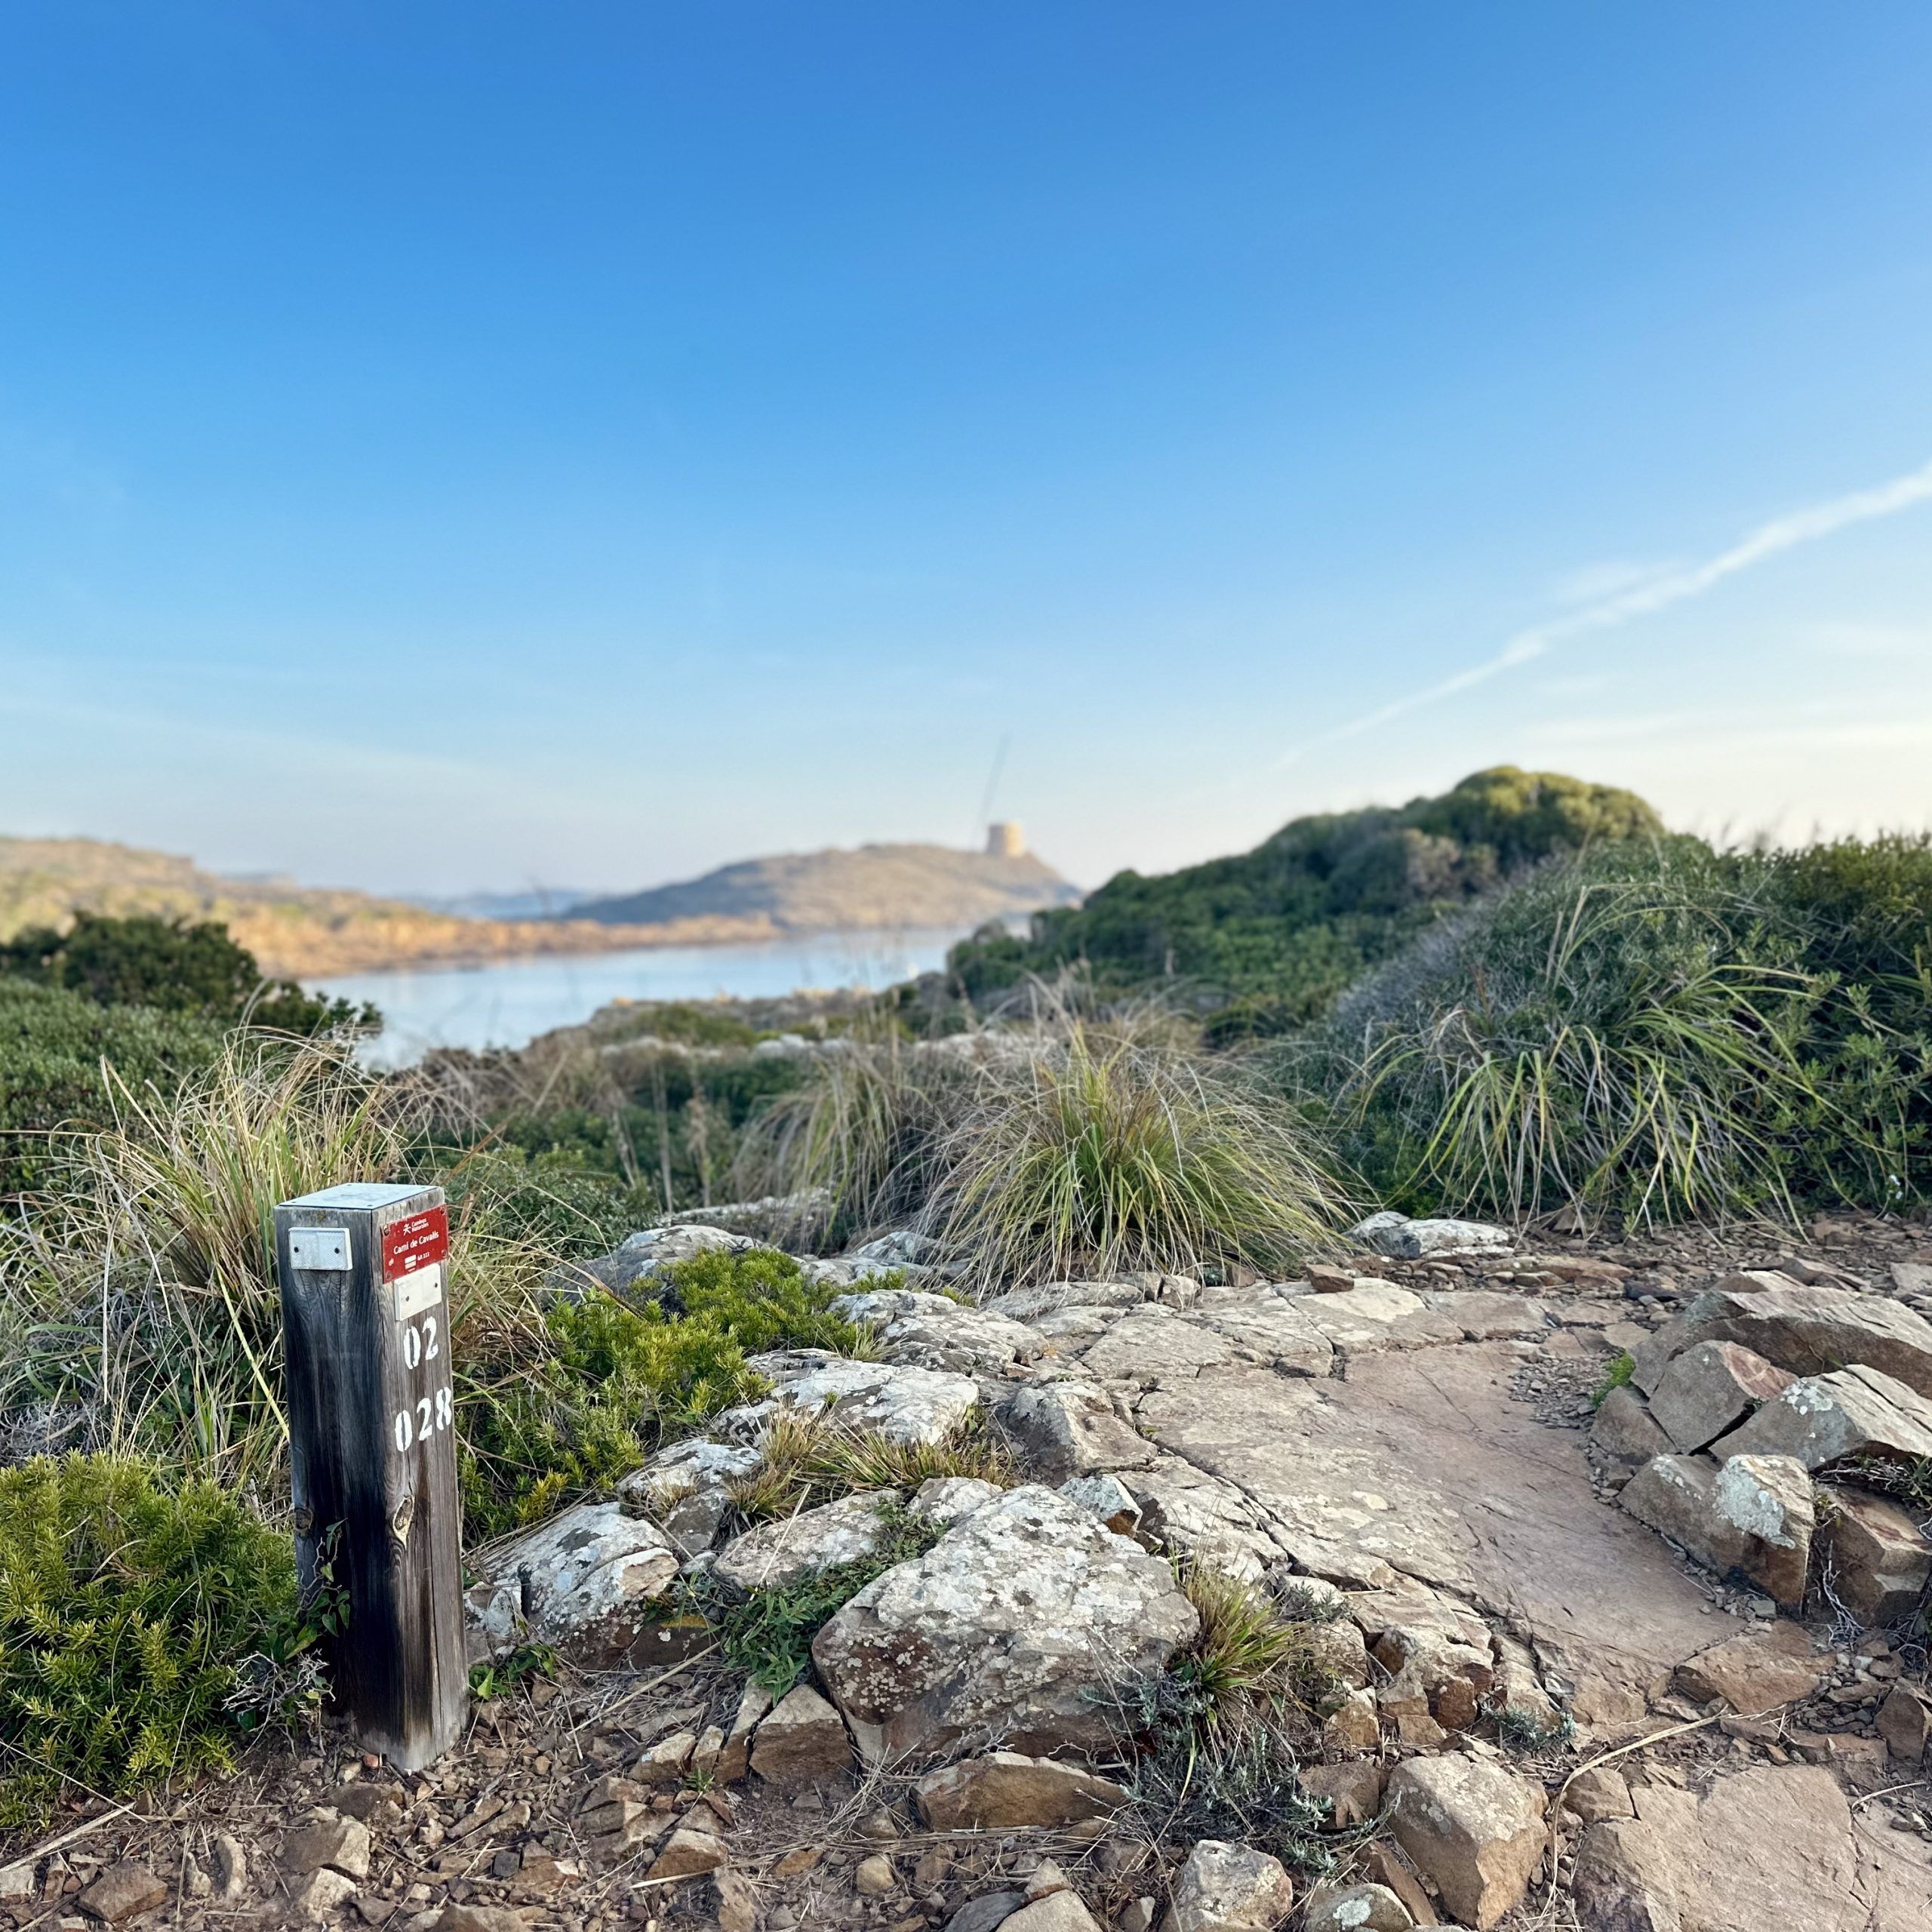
[[1104, 1148], [1631, 1031], [144, 1296], [856, 1147]]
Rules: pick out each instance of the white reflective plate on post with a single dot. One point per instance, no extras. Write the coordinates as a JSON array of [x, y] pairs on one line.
[[415, 1292], [325, 1250]]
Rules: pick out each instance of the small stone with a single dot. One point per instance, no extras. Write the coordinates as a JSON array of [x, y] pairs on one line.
[[1356, 1908], [984, 1913], [1905, 1725], [231, 1868], [1062, 1911], [334, 1840], [686, 1854], [124, 1891], [737, 1902], [323, 1891], [1598, 1793], [16, 1881], [1047, 1879], [875, 1877], [664, 1763], [802, 1742], [1138, 1917], [1353, 1789], [1355, 1725], [1473, 1829], [479, 1919], [1225, 1887], [734, 1759]]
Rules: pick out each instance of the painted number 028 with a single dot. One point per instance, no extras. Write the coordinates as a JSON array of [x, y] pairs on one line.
[[431, 1415]]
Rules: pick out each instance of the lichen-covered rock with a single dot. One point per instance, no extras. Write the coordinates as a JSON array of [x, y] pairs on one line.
[[944, 1500], [1752, 1515], [650, 1250], [1851, 1416], [912, 1405], [1107, 1497], [1223, 1888], [1070, 1429], [687, 1489], [1010, 1631], [933, 1331], [1377, 1315], [1402, 1239], [1030, 1305], [1473, 1829], [789, 1548], [1808, 1330], [1185, 1511], [1356, 1908], [1710, 1388], [583, 1583]]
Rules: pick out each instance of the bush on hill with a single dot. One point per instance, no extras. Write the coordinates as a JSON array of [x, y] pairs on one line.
[[1269, 938], [1654, 1028], [170, 964], [52, 1044]]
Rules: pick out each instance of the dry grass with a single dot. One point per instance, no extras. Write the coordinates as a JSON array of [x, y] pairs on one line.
[[1104, 1150], [141, 1315], [1074, 1142], [807, 1462]]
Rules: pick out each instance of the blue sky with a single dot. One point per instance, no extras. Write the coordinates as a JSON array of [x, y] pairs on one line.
[[447, 445]]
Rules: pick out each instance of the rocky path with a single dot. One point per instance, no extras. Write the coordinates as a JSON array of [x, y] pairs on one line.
[[1546, 1714]]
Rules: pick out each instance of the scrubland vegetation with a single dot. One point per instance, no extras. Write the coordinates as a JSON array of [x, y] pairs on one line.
[[1519, 997]]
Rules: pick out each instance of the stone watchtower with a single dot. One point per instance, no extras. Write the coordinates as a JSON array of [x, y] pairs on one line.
[[1006, 840]]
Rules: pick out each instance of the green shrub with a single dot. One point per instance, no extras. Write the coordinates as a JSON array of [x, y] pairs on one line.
[[1631, 1030], [612, 1379], [1616, 1376], [1190, 1777], [52, 1044], [127, 1612], [556, 1199], [1248, 1649], [179, 967], [1281, 931]]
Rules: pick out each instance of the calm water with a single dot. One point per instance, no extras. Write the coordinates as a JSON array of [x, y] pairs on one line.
[[510, 1002]]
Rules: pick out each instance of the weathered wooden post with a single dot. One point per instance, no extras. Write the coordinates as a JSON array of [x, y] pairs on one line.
[[372, 1444]]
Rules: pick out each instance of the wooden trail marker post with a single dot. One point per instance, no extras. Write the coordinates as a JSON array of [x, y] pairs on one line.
[[372, 1443]]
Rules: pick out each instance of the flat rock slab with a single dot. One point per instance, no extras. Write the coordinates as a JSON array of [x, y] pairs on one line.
[[1762, 1848], [1422, 1464]]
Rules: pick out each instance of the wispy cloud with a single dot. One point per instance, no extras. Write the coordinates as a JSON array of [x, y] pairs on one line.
[[1645, 598]]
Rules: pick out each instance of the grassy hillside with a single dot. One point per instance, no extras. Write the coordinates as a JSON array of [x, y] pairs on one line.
[[1269, 937], [873, 886], [300, 931]]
